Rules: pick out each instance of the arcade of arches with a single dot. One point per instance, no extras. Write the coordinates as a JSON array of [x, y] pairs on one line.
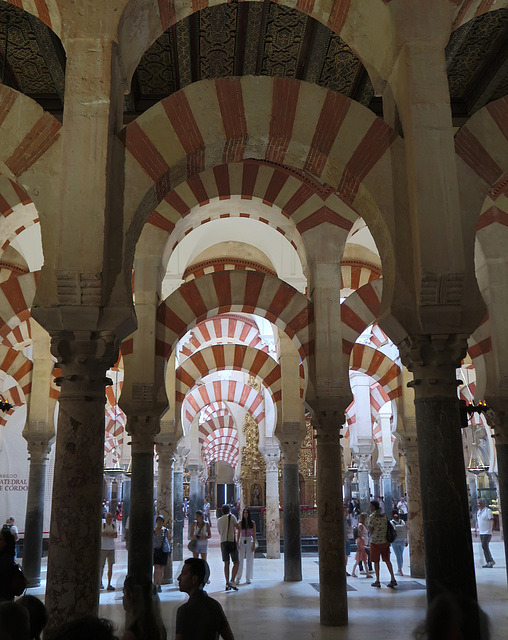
[[269, 238]]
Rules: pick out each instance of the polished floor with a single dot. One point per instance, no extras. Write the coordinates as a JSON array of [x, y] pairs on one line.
[[271, 608]]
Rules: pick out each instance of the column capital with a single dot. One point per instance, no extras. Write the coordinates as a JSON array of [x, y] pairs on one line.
[[364, 462], [143, 430], [272, 457], [39, 446], [433, 359], [290, 451], [497, 418]]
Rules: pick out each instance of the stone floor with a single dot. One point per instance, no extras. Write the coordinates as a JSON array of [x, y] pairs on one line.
[[270, 608]]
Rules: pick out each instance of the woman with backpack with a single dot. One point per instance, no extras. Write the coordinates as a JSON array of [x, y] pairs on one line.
[[401, 541]]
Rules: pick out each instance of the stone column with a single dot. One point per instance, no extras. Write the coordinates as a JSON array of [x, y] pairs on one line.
[[179, 516], [375, 474], [272, 513], [72, 589], [395, 485], [386, 477], [363, 481], [108, 481], [39, 447], [446, 528], [165, 500], [194, 493], [143, 430], [332, 557], [291, 506], [498, 420]]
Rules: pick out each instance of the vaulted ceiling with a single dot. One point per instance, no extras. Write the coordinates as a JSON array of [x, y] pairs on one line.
[[252, 38]]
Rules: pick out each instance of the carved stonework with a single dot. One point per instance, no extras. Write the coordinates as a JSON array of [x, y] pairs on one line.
[[253, 472]]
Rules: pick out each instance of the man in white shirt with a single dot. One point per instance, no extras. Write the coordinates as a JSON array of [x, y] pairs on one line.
[[402, 507], [227, 525], [484, 522], [108, 535]]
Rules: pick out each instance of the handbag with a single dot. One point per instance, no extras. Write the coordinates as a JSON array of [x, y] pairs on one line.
[[192, 545], [166, 547]]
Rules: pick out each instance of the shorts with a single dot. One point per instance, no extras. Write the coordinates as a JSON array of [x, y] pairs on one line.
[[378, 551], [109, 555], [229, 549], [202, 546]]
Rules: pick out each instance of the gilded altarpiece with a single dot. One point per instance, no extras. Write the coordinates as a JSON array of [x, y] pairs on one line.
[[253, 474], [307, 468]]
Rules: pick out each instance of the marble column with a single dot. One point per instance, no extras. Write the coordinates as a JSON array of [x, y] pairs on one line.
[[291, 508], [332, 557], [143, 430], [72, 588], [414, 509], [194, 493], [126, 497], [108, 481], [178, 512], [386, 478], [39, 446], [446, 528], [165, 500], [395, 485], [272, 513], [363, 481], [473, 497]]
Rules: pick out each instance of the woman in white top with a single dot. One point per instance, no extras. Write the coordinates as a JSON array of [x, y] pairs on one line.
[[246, 539], [400, 541], [200, 531]]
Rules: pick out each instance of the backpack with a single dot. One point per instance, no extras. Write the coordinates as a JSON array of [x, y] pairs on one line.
[[391, 534], [6, 527]]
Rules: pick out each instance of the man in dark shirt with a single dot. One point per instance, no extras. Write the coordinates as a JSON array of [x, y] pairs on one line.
[[201, 617]]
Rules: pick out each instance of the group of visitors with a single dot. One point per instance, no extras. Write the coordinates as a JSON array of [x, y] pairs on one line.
[[372, 538]]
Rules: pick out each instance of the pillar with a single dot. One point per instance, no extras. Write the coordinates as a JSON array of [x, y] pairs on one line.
[[332, 557], [363, 481], [108, 481], [194, 493], [395, 485], [165, 500], [272, 513], [414, 510], [38, 450], [446, 528], [386, 478], [72, 589], [179, 515], [375, 474], [142, 429], [291, 510]]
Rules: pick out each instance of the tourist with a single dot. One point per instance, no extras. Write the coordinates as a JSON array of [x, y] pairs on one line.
[[484, 525], [7, 545], [361, 545], [143, 616], [379, 545], [402, 507], [206, 511], [161, 550], [37, 614], [108, 536], [227, 524], [401, 541], [246, 538], [201, 617], [200, 531]]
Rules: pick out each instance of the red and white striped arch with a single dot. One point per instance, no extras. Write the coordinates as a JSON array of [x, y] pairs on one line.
[[24, 145], [226, 390], [358, 311], [482, 356], [12, 224], [375, 364], [115, 422], [13, 363], [481, 147], [13, 397], [227, 263], [378, 398], [229, 357], [222, 444], [226, 327], [215, 410], [303, 201], [211, 425], [277, 120], [235, 291], [356, 274], [16, 299]]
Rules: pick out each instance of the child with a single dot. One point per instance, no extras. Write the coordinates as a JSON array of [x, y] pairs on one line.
[[361, 545]]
